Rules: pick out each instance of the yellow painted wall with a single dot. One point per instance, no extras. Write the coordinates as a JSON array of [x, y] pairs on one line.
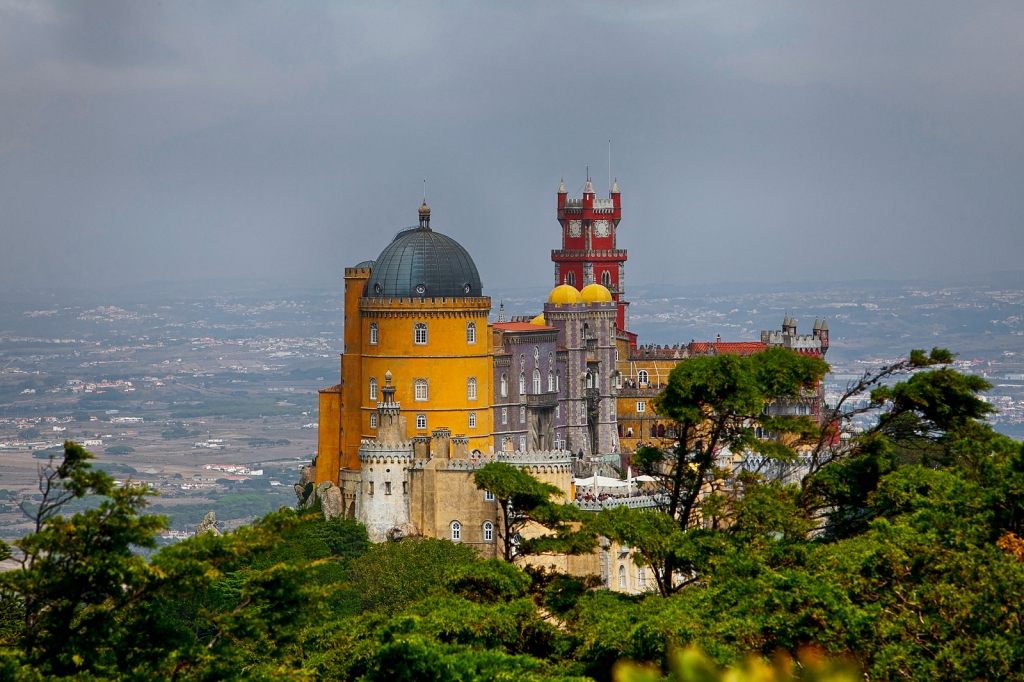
[[447, 361], [329, 435], [351, 370]]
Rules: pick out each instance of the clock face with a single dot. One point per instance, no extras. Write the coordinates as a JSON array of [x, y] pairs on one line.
[[602, 228], [575, 228]]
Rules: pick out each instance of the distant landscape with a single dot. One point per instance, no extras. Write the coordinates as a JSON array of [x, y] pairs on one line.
[[225, 383]]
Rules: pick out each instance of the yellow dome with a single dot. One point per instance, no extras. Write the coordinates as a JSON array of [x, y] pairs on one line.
[[565, 294], [596, 293], [538, 320]]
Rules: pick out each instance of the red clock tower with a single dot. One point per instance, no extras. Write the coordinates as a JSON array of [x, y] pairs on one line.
[[588, 252]]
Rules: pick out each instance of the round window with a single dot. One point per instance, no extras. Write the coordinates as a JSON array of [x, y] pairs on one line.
[[421, 289]]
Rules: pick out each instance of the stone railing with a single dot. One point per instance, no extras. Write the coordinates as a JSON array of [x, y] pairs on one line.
[[542, 399], [640, 502]]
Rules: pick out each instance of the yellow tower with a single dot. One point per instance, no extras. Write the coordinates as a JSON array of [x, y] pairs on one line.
[[419, 312]]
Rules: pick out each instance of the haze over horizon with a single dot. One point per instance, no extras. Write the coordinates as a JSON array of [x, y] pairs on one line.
[[145, 143]]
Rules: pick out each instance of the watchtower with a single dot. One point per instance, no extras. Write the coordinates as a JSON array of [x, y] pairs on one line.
[[588, 254]]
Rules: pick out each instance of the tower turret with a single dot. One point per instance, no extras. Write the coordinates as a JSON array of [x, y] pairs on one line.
[[391, 426], [589, 254]]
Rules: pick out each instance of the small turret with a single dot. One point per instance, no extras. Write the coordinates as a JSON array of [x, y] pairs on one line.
[[823, 335], [615, 187], [424, 212], [561, 187], [588, 188], [501, 312], [817, 326], [391, 425]]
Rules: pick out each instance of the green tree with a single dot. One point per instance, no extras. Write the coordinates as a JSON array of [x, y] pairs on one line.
[[523, 500]]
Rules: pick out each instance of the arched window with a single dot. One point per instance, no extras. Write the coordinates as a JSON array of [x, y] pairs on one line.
[[641, 577], [421, 422], [606, 278], [488, 531], [590, 380], [622, 576], [471, 332], [456, 531], [373, 334], [373, 388], [522, 383], [558, 379], [641, 376], [570, 278], [504, 415], [471, 388], [472, 420], [420, 333], [373, 420], [504, 385], [420, 393], [551, 381], [522, 415], [522, 443], [661, 430], [536, 381]]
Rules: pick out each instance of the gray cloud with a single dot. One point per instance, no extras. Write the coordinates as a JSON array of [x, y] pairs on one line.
[[171, 141]]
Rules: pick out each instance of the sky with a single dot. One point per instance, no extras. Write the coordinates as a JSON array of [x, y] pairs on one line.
[[148, 142]]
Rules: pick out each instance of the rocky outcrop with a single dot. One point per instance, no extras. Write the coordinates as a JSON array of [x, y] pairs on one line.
[[208, 525], [406, 530], [325, 498]]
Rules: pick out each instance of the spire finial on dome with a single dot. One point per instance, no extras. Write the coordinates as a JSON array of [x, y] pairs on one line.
[[424, 215], [561, 187], [387, 377]]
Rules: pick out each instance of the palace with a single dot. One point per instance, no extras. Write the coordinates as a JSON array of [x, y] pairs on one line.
[[431, 389]]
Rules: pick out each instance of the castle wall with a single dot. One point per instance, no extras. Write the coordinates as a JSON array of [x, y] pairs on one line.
[[383, 498], [329, 435], [447, 361]]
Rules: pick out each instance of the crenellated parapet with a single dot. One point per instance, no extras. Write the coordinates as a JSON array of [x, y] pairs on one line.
[[372, 452]]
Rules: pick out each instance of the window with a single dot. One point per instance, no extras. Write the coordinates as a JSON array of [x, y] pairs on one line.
[[471, 388], [374, 334], [522, 383], [420, 333], [522, 443], [488, 496], [471, 332], [551, 381], [641, 376], [456, 531], [387, 487], [622, 576], [606, 278], [371, 487], [504, 385], [405, 487], [641, 406], [488, 531], [570, 278], [472, 420], [420, 392], [558, 379], [590, 380], [373, 388], [536, 353], [522, 415], [421, 422], [536, 381], [506, 444], [373, 421], [504, 415], [558, 410]]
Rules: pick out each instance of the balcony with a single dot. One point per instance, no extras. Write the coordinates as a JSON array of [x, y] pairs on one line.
[[542, 400]]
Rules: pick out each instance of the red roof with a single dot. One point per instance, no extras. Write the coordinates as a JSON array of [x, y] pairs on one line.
[[521, 327], [728, 347]]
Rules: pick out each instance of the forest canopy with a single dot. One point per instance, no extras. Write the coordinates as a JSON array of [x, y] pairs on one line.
[[893, 553]]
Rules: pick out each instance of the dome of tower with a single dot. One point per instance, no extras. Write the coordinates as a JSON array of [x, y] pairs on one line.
[[539, 320], [421, 263], [565, 294], [596, 293]]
